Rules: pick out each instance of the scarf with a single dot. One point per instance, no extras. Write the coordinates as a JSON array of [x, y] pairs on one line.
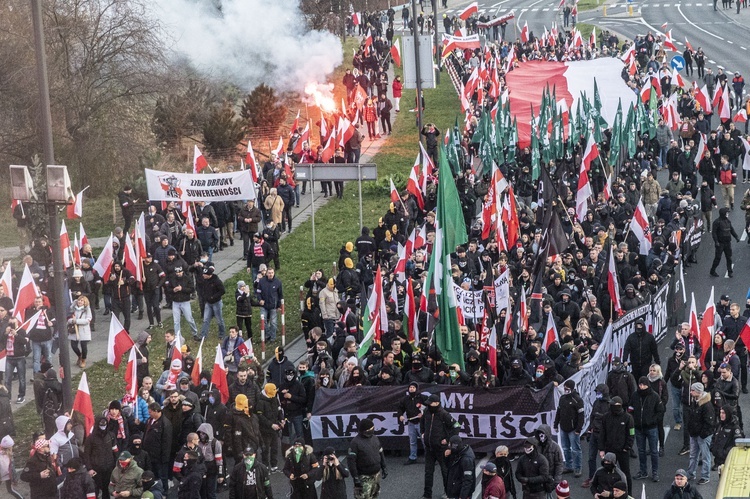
[[258, 250], [728, 356], [10, 346], [172, 377], [691, 344], [120, 426]]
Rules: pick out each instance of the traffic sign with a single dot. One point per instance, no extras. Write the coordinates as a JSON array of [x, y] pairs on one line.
[[678, 62]]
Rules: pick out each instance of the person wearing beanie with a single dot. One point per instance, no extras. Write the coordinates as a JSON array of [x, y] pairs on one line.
[[569, 420], [78, 482], [98, 453], [617, 436], [461, 477], [620, 491], [244, 427], [647, 411], [409, 412], [436, 426], [170, 379], [334, 476], [640, 350], [562, 490], [700, 426], [493, 486], [250, 477], [549, 448], [270, 423], [8, 473], [599, 411], [366, 460], [606, 476]]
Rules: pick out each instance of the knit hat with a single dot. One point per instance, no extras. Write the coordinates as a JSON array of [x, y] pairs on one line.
[[570, 384], [115, 404], [643, 380], [697, 387], [563, 489], [365, 424], [74, 463], [620, 485], [7, 442]]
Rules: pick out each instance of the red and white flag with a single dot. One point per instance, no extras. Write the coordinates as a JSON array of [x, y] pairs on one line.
[[693, 321], [523, 318], [677, 78], [491, 342], [195, 375], [27, 292], [84, 237], [76, 251], [219, 376], [525, 33], [250, 161], [550, 336], [668, 43], [140, 236], [395, 198], [304, 137], [295, 125], [410, 310], [131, 375], [279, 146], [330, 148], [687, 44], [118, 343], [725, 112], [199, 160], [592, 38], [471, 9], [639, 227], [65, 245], [246, 348], [708, 327], [6, 281], [613, 285], [414, 183], [700, 149], [132, 262], [75, 208], [584, 186], [646, 90], [740, 117], [106, 258], [82, 403], [396, 52], [703, 98]]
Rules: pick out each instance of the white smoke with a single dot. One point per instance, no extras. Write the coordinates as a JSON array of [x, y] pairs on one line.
[[251, 41]]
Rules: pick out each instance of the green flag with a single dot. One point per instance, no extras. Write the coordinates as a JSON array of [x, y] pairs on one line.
[[450, 231], [614, 148], [653, 115], [513, 142]]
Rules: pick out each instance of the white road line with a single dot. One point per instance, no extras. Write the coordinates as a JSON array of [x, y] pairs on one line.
[[743, 237], [743, 48], [535, 9], [726, 274], [546, 9], [712, 61], [695, 25]]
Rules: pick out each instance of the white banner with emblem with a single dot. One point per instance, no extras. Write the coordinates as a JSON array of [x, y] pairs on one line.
[[174, 186]]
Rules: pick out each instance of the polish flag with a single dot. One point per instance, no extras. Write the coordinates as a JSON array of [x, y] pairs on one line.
[[639, 227], [76, 251], [75, 209], [330, 148], [84, 237], [140, 235], [740, 117], [346, 129], [677, 78], [396, 52], [525, 33], [414, 183], [693, 321], [509, 217], [246, 347], [190, 221], [395, 198], [250, 161], [195, 375], [410, 310], [550, 336], [219, 376], [664, 26], [177, 348], [304, 137], [279, 146], [592, 38], [368, 39], [295, 125], [523, 319], [106, 258], [584, 186], [199, 161], [629, 54], [708, 327], [65, 245], [687, 44], [700, 149], [131, 376], [400, 269], [577, 38], [668, 43], [646, 90], [119, 342], [27, 292], [721, 101], [132, 262], [82, 404], [613, 285], [632, 68], [471, 9], [355, 19], [703, 98], [6, 281], [420, 238], [491, 343]]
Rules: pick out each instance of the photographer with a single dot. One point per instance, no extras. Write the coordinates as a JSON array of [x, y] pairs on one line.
[[334, 476]]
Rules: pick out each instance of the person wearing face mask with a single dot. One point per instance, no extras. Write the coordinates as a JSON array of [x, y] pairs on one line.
[[409, 413], [599, 411], [454, 376], [620, 381], [324, 379], [244, 427], [640, 350], [193, 471], [216, 413], [40, 471], [518, 376], [278, 367], [178, 466], [302, 469], [436, 426], [554, 454], [213, 460], [569, 419], [461, 477], [136, 449], [293, 398], [126, 477], [250, 478], [418, 372], [99, 455], [532, 471], [270, 420], [366, 461], [307, 378], [617, 436], [675, 384], [647, 410], [152, 488], [605, 478], [687, 374], [504, 469]]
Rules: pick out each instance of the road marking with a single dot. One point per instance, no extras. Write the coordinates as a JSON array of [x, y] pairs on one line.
[[699, 5], [730, 42], [726, 274], [744, 236], [535, 9], [712, 61], [478, 472], [695, 25], [743, 48], [545, 9]]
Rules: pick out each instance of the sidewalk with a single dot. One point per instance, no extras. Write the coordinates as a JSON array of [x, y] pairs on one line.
[[228, 263]]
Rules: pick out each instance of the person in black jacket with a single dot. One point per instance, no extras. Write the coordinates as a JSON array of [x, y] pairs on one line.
[[599, 411], [409, 412], [620, 382], [99, 455], [15, 359], [727, 432], [127, 205], [270, 422], [153, 279], [436, 427], [250, 478], [533, 471], [293, 399], [700, 426], [569, 419], [157, 441], [40, 471], [461, 476], [722, 233], [617, 436], [334, 476], [647, 410], [640, 348], [212, 289], [731, 326], [181, 286], [302, 469], [504, 469], [606, 477], [366, 461]]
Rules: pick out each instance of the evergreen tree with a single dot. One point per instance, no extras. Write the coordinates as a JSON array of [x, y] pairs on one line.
[[222, 130], [263, 109]]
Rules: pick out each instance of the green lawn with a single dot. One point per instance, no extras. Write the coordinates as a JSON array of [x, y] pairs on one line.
[[589, 4]]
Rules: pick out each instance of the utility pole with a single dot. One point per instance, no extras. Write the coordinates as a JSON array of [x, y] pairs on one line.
[[54, 236], [436, 44], [416, 64]]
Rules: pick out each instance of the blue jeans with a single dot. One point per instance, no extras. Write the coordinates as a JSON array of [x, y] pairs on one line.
[[210, 311], [295, 428], [652, 436], [40, 348], [571, 449], [413, 439], [593, 454], [19, 364], [675, 396], [180, 308], [269, 316], [663, 156], [702, 446], [329, 326]]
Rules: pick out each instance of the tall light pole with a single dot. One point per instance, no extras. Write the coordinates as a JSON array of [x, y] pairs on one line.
[[416, 66], [45, 122]]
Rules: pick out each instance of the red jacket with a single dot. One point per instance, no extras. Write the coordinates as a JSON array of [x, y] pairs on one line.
[[370, 113], [495, 489], [397, 87]]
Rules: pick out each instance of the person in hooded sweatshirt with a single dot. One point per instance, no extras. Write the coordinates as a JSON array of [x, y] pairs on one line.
[[554, 454], [99, 455], [213, 460], [640, 350], [278, 366], [366, 461], [599, 411], [270, 422], [606, 477], [647, 411], [63, 445], [243, 429], [409, 412], [532, 471], [436, 426], [293, 400], [504, 469], [78, 483], [334, 475], [518, 376], [617, 436], [461, 478], [569, 419], [139, 454], [193, 471], [727, 432], [152, 488]]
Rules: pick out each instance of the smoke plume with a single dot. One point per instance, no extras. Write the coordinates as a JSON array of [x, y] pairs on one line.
[[251, 41]]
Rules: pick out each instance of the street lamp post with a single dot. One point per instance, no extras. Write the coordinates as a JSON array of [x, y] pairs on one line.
[[54, 236]]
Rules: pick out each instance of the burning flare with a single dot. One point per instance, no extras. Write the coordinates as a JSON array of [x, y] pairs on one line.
[[321, 94]]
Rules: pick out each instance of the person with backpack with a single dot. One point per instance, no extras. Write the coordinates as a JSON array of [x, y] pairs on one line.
[[213, 459]]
